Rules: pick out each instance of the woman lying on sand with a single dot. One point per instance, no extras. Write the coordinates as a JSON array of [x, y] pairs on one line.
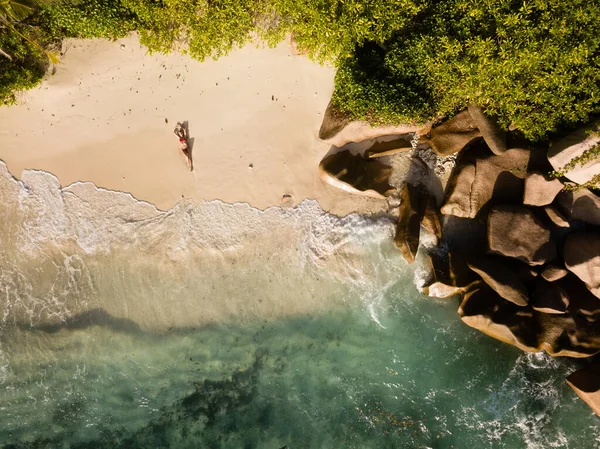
[[181, 132]]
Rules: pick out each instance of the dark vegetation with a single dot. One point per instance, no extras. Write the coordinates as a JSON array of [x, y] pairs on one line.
[[533, 63]]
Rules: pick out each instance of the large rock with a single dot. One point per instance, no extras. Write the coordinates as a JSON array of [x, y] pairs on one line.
[[553, 273], [493, 135], [525, 272], [581, 301], [568, 335], [458, 196], [499, 177], [484, 310], [549, 297], [338, 130], [432, 276], [493, 177], [582, 257], [581, 205], [501, 279], [586, 383], [540, 190], [556, 217], [515, 231], [355, 174], [453, 135], [444, 275], [409, 223], [333, 121], [576, 146], [532, 331], [431, 217]]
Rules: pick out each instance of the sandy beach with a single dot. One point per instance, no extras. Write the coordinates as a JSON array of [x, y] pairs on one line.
[[108, 112]]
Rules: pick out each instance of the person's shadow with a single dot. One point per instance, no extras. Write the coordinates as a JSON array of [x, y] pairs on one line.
[[190, 141]]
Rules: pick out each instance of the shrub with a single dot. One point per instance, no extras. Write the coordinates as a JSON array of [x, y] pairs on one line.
[[88, 19], [383, 86]]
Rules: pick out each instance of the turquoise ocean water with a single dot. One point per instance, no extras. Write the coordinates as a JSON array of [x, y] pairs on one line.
[[221, 326]]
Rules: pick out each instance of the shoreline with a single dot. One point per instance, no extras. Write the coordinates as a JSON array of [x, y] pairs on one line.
[[107, 116]]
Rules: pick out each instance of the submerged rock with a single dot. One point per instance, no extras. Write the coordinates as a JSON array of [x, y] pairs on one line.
[[582, 258], [586, 383], [355, 174], [515, 231], [493, 135], [453, 135], [540, 190]]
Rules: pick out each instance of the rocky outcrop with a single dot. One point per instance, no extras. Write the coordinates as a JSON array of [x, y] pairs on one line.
[[432, 277], [501, 279], [355, 174], [540, 190], [507, 233], [494, 136], [586, 383], [453, 135], [575, 156], [582, 258], [515, 231]]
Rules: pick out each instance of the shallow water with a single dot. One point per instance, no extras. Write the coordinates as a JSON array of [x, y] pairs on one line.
[[220, 326]]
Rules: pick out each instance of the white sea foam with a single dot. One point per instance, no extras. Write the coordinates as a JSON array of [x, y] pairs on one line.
[[77, 248]]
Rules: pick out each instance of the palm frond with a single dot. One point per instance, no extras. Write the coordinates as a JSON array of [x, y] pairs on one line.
[[17, 10]]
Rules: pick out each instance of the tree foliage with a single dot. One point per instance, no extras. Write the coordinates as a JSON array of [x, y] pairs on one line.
[[533, 63]]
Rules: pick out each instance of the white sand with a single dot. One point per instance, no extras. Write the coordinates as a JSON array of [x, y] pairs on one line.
[[101, 118]]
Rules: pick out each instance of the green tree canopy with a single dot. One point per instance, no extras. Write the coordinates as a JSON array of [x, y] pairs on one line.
[[534, 63]]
